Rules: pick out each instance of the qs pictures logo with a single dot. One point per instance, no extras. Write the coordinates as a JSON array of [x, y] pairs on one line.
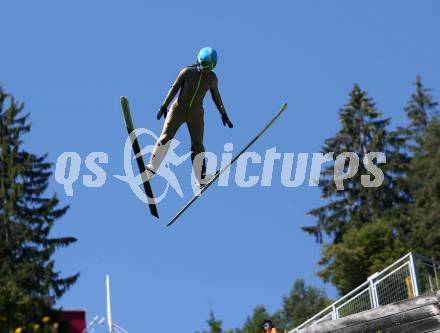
[[345, 166]]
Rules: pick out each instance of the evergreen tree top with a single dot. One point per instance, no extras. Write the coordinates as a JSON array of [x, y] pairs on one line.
[[29, 282]]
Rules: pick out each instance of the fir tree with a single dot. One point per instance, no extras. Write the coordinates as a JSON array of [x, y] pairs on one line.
[[302, 303], [421, 180], [29, 282], [253, 323], [215, 326], [424, 177], [419, 110], [363, 130]]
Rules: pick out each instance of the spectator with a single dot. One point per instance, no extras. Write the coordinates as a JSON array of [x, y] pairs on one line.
[[268, 327]]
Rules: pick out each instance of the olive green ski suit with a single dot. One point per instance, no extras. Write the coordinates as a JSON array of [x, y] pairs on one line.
[[192, 85]]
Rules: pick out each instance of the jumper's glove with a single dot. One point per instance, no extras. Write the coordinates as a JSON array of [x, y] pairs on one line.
[[163, 111], [226, 121]]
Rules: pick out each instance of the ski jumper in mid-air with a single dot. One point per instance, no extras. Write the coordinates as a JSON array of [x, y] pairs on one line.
[[192, 83]]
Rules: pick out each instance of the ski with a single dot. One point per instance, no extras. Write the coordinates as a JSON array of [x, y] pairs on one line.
[[218, 173], [139, 159]]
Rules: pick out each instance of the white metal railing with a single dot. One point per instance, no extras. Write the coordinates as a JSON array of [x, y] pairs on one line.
[[99, 323], [408, 277]]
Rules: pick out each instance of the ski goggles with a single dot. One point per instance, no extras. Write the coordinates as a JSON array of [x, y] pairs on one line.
[[207, 65]]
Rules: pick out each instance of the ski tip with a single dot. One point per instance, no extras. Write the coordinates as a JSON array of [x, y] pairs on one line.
[[123, 99], [284, 106]]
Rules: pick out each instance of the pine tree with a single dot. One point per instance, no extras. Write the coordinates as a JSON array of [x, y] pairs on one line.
[[29, 283], [302, 303], [421, 180], [253, 324], [424, 177], [419, 110], [215, 326], [363, 130]]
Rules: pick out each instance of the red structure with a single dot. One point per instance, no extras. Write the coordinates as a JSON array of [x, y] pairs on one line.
[[76, 320]]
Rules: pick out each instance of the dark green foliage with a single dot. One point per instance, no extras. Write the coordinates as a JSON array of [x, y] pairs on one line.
[[419, 110], [29, 283], [253, 323], [345, 258], [424, 179], [363, 130], [302, 303], [215, 326], [362, 252]]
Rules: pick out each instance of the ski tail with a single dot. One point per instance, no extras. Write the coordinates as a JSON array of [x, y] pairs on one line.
[[139, 159]]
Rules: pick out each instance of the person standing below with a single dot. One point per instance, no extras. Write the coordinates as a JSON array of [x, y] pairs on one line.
[[268, 327], [192, 84]]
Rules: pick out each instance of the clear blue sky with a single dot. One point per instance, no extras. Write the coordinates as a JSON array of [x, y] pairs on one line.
[[69, 61]]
